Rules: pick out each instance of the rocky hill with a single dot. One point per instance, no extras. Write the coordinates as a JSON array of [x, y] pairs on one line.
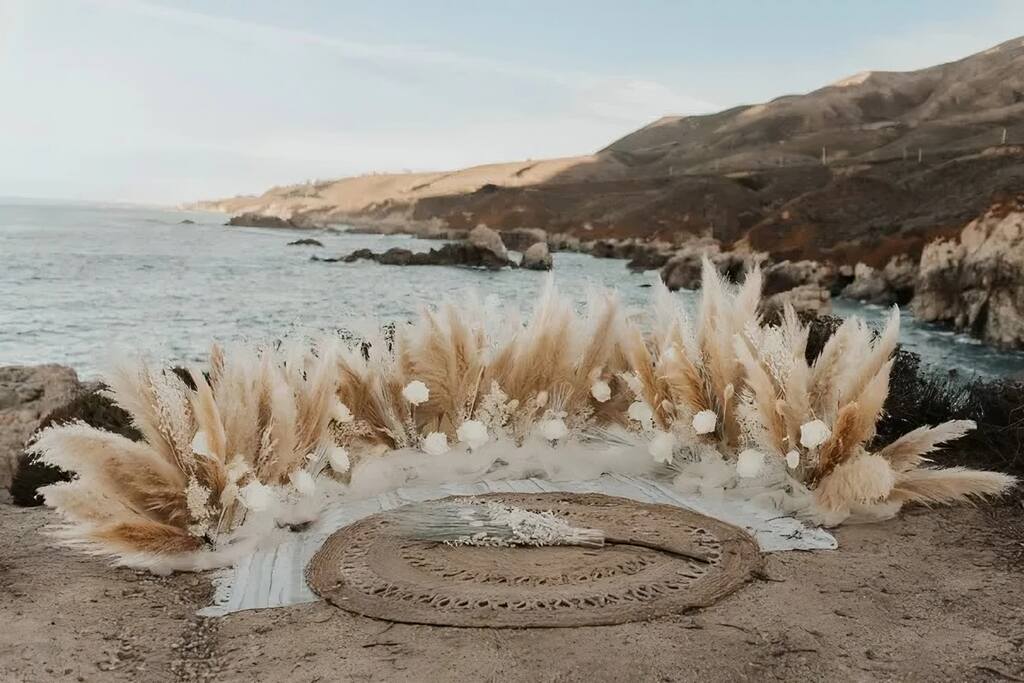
[[871, 166]]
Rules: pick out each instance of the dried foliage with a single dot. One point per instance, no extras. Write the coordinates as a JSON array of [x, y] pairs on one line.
[[734, 405]]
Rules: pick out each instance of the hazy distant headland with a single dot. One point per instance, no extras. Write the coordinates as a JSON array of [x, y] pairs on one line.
[[861, 175]]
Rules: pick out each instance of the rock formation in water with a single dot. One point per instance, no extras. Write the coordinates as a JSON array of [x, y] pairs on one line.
[[306, 242], [976, 282], [482, 249], [537, 257]]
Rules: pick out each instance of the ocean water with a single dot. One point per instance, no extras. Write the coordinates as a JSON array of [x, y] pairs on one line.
[[80, 282]]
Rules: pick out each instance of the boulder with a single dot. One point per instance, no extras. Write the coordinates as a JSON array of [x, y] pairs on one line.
[[521, 239], [786, 275], [649, 257], [893, 284], [452, 254], [810, 300], [483, 237], [27, 393], [307, 242], [976, 282], [537, 257], [683, 269], [258, 220]]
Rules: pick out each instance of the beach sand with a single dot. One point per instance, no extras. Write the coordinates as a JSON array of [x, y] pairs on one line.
[[929, 596]]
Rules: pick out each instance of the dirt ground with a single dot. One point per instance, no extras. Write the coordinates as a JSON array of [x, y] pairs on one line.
[[926, 597]]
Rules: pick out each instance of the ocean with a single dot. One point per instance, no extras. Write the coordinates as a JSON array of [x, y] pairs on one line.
[[80, 282]]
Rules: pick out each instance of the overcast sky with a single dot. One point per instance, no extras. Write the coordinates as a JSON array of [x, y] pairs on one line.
[[161, 101]]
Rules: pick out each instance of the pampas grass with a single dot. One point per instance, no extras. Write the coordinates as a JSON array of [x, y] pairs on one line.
[[562, 394]]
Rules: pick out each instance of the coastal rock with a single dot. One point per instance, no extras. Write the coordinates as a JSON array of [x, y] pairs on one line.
[[537, 257], [484, 238], [977, 282], [27, 393], [786, 275], [893, 284], [682, 271], [258, 220], [306, 242], [809, 299], [521, 239], [651, 256], [453, 254]]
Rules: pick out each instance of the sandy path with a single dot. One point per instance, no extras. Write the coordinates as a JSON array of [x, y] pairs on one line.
[[925, 597]]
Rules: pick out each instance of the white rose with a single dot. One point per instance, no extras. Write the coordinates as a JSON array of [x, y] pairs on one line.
[[416, 392], [473, 433], [553, 429], [341, 412], [705, 422], [662, 446], [338, 459], [303, 482], [641, 412], [255, 496], [600, 391], [748, 465], [814, 433], [792, 460], [435, 443]]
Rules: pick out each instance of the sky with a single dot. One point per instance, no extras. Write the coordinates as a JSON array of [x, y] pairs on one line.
[[157, 101]]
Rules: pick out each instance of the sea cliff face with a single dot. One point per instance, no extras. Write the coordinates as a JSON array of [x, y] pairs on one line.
[[976, 281]]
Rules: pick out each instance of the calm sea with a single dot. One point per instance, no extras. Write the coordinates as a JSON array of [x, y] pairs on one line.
[[79, 282]]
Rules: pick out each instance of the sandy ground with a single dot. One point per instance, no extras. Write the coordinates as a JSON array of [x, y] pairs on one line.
[[926, 597]]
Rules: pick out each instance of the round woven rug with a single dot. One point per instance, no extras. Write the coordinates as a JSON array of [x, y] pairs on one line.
[[366, 569]]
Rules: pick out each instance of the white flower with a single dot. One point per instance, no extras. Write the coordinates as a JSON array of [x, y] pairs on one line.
[[303, 482], [416, 392], [600, 391], [473, 433], [341, 413], [256, 496], [662, 446], [201, 445], [338, 459], [705, 422], [435, 443], [554, 429], [641, 412], [792, 460], [748, 465], [814, 433], [237, 469]]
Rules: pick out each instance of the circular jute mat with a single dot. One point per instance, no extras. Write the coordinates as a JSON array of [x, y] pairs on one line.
[[366, 569]]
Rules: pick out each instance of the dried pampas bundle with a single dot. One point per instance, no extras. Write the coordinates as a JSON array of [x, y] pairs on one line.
[[476, 523], [728, 402]]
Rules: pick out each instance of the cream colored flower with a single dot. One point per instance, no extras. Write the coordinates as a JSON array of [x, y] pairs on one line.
[[792, 460], [256, 496], [416, 392], [641, 412], [303, 482], [341, 413], [662, 446], [600, 391], [814, 433], [337, 457], [749, 463], [705, 422], [435, 443], [473, 433], [554, 429]]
